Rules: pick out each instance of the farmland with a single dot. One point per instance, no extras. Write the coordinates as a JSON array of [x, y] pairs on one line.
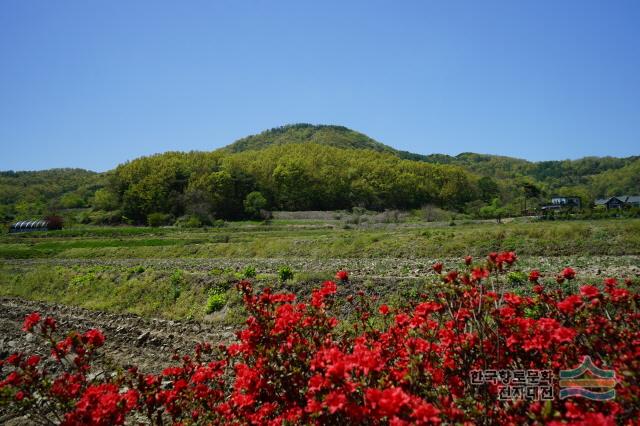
[[130, 269], [154, 291]]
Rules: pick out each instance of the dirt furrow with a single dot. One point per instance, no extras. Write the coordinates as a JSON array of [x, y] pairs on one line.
[[131, 340]]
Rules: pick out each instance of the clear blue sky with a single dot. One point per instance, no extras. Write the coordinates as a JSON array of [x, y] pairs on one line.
[[91, 84]]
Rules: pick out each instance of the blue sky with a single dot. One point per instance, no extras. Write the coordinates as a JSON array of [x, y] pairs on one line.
[[92, 84]]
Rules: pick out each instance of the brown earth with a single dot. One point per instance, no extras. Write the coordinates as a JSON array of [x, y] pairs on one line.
[[131, 340]]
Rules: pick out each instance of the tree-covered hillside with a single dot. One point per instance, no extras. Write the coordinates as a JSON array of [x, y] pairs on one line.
[[564, 172], [579, 176], [30, 194], [308, 167], [625, 180], [588, 177], [297, 176], [337, 136]]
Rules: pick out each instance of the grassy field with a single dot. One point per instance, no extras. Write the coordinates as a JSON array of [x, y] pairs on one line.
[[174, 273], [327, 240]]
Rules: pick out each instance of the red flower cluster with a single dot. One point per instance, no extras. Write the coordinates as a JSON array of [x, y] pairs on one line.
[[498, 260], [102, 405], [401, 365], [534, 276], [342, 276], [31, 321], [568, 273]]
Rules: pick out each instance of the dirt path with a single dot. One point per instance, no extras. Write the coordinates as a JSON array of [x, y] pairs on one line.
[[131, 340], [619, 266]]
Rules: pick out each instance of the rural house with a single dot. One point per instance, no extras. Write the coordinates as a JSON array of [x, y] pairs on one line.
[[619, 201], [560, 203], [569, 201]]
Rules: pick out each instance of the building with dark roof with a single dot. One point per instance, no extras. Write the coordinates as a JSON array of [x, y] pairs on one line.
[[619, 201]]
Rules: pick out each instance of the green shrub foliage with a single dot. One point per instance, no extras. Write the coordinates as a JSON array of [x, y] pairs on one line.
[[215, 302], [285, 273]]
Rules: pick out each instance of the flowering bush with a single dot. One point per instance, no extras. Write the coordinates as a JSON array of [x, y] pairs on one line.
[[342, 276], [393, 365]]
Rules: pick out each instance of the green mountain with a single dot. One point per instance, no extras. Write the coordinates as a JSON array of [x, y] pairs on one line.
[[336, 136], [306, 167], [496, 166], [330, 135], [551, 176]]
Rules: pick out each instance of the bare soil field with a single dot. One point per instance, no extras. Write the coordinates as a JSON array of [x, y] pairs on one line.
[[131, 340]]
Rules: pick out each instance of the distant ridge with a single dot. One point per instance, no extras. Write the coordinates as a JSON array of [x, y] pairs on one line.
[[568, 172], [298, 166]]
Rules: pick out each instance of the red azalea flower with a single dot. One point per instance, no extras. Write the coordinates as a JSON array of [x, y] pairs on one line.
[[451, 277], [507, 312], [426, 308], [569, 304], [33, 360], [534, 276], [31, 321], [94, 337], [468, 260], [342, 276], [589, 291], [598, 419], [508, 257], [564, 334], [478, 274], [619, 294], [384, 309], [512, 299], [13, 379], [14, 359], [568, 273], [437, 267], [335, 401]]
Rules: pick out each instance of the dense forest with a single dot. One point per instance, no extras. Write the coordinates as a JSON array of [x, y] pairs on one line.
[[297, 176], [306, 167], [30, 194]]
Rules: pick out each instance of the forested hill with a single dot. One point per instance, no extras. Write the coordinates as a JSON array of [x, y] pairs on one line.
[[27, 194], [336, 136], [591, 177], [552, 174], [306, 167], [501, 167]]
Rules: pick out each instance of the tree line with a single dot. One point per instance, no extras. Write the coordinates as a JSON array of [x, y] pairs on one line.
[[303, 167], [309, 176]]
